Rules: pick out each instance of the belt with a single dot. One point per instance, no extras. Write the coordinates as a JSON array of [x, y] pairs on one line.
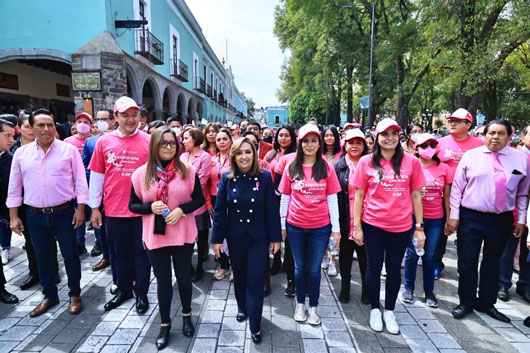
[[50, 210]]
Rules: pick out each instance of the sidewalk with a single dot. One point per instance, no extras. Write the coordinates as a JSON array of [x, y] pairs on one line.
[[344, 326]]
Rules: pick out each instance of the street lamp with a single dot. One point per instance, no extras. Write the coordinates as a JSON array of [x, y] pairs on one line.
[[370, 122]]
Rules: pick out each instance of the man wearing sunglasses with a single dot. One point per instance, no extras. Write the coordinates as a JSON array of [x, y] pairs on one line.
[[7, 133], [452, 148]]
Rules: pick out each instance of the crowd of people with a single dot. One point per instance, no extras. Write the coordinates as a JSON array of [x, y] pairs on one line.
[[385, 196]]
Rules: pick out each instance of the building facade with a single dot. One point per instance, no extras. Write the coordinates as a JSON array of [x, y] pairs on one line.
[[80, 55], [277, 116]]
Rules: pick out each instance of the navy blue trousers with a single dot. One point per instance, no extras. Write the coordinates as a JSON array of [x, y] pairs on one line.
[[248, 259], [476, 228], [132, 262]]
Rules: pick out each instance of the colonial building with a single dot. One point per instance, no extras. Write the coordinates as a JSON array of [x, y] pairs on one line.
[[82, 55]]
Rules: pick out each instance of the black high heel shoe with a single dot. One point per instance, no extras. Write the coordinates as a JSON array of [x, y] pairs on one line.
[[241, 317], [187, 326], [163, 337], [256, 337]]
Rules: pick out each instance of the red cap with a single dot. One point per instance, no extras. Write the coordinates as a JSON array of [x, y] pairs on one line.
[[461, 114], [84, 115], [124, 103]]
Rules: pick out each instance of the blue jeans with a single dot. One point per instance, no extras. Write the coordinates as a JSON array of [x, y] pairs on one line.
[[308, 247], [382, 246], [5, 234], [43, 230], [506, 268], [433, 231]]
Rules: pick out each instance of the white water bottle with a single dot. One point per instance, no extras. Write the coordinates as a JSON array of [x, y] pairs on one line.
[[419, 252]]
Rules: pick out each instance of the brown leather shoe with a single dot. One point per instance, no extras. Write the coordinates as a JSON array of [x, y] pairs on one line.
[[44, 306], [101, 265], [75, 305]]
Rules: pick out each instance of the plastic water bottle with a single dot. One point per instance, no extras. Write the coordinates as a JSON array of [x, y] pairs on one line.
[[332, 249], [419, 252]]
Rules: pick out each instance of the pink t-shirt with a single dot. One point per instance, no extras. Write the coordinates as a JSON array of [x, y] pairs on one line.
[[388, 202], [77, 141], [308, 207], [436, 177], [284, 161], [451, 151], [118, 157]]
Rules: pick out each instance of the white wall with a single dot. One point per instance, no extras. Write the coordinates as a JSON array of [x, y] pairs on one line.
[[35, 82]]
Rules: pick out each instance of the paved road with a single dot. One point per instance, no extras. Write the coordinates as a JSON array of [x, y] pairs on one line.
[[344, 326]]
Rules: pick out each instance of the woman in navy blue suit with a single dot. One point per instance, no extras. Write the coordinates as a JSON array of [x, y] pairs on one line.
[[247, 214]]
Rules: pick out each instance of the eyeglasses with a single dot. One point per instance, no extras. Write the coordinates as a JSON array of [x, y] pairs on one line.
[[455, 121], [171, 144], [430, 144]]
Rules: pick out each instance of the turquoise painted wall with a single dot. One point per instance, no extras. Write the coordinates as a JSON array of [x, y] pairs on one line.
[[272, 112], [63, 25]]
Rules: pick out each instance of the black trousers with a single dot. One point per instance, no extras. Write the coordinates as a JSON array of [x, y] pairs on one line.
[[347, 247], [161, 260], [476, 228], [2, 277]]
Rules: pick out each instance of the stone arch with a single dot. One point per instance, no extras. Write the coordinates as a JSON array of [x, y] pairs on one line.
[[199, 111], [133, 89], [35, 53], [151, 97], [169, 103], [191, 111], [181, 107]]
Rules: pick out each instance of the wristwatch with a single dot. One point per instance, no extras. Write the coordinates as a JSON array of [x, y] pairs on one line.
[[419, 226]]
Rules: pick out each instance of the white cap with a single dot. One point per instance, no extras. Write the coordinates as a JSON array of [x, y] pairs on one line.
[[386, 124], [354, 133], [308, 129]]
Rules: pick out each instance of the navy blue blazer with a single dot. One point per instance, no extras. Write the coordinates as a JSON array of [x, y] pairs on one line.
[[88, 151], [246, 206], [5, 169]]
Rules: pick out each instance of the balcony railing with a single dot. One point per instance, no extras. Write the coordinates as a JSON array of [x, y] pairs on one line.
[[215, 95], [179, 70], [209, 91], [147, 45], [200, 85]]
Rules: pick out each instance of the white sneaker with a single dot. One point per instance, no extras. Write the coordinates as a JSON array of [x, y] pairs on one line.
[[332, 269], [390, 322], [383, 270], [300, 314], [314, 318], [325, 262], [220, 274], [6, 256], [376, 322]]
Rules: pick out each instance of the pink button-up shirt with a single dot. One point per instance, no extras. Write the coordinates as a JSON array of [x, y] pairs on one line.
[[202, 162], [48, 179], [474, 183]]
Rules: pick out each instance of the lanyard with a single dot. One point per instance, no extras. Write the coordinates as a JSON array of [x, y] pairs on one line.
[[220, 166]]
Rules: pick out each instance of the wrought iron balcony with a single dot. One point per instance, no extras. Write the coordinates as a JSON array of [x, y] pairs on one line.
[[200, 85], [179, 70], [215, 95], [209, 91], [148, 46]]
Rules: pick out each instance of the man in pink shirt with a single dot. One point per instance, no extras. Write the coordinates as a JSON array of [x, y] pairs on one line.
[[83, 125], [116, 156], [451, 149], [489, 182], [51, 174]]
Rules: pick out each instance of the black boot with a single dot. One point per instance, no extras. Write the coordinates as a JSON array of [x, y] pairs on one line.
[[267, 287], [163, 337], [187, 326], [290, 291], [276, 264], [199, 273], [365, 298]]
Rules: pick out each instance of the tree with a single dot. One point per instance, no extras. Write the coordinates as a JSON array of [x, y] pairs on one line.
[[250, 105]]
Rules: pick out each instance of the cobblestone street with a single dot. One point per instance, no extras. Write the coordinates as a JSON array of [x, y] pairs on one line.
[[344, 326]]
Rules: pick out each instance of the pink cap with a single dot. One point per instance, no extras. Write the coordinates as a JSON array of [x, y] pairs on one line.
[[124, 103], [84, 115], [354, 133], [461, 114], [425, 138], [306, 130], [351, 125], [386, 124]]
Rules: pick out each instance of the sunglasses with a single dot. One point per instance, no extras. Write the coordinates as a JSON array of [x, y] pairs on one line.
[[430, 144]]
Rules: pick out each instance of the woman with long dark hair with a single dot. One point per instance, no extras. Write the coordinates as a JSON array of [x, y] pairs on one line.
[[386, 181], [331, 150], [220, 165], [164, 191], [284, 143], [246, 215], [354, 148], [309, 214], [435, 198], [209, 132], [192, 138], [412, 132]]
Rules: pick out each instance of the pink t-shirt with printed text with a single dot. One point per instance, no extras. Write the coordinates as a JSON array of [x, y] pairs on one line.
[[451, 151], [388, 202], [436, 177], [308, 207], [77, 141], [118, 157]]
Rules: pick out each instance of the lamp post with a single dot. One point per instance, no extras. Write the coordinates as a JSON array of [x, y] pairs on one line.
[[370, 121]]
